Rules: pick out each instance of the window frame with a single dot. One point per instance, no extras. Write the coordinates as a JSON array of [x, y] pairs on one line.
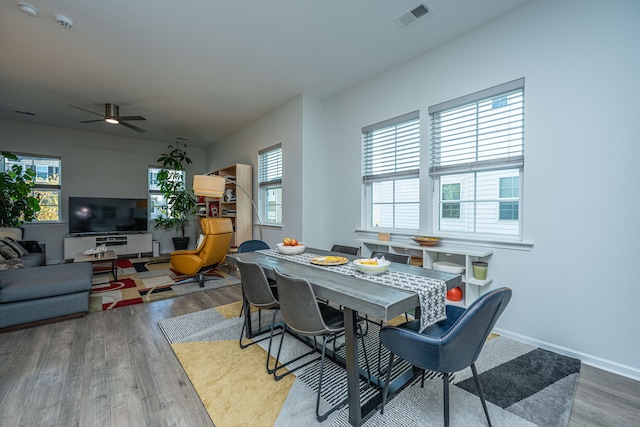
[[270, 179], [498, 141], [391, 159], [156, 192], [39, 186]]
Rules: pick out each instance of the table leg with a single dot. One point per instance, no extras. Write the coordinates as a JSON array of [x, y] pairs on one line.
[[353, 371], [114, 268]]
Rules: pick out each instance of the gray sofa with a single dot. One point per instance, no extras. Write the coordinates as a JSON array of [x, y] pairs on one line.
[[38, 293]]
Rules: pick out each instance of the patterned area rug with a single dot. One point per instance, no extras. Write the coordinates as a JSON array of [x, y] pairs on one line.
[[524, 385], [143, 280]]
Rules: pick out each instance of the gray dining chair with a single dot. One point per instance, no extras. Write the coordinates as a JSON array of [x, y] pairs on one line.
[[305, 315], [257, 292], [399, 258], [349, 250]]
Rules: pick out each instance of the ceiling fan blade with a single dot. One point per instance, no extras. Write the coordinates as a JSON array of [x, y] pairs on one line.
[[132, 118], [92, 112], [130, 126], [92, 121]]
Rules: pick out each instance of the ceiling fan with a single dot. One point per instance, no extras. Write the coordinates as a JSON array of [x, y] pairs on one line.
[[112, 115]]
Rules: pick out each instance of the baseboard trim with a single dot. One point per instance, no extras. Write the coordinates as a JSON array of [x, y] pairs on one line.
[[607, 365]]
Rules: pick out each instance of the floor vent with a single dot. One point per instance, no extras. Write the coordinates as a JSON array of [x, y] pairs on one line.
[[414, 14]]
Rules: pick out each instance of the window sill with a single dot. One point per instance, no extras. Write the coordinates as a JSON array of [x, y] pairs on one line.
[[484, 243]]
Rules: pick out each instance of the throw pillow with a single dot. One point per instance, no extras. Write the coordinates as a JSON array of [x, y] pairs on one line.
[[14, 233], [11, 264], [15, 246], [7, 251], [31, 246]]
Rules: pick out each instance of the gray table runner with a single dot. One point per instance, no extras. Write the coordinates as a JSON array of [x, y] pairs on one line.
[[432, 292]]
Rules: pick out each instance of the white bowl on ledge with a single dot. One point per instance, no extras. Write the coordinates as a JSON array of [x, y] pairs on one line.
[[291, 250]]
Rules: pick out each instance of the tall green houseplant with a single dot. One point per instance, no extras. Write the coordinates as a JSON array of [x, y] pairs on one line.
[[17, 205], [181, 202]]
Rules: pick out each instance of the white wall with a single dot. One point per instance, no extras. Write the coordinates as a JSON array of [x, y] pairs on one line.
[[575, 290], [281, 126], [93, 165]]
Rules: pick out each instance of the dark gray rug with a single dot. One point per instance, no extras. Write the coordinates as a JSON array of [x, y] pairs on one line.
[[523, 385]]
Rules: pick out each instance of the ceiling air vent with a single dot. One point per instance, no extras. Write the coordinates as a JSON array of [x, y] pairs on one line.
[[412, 15]]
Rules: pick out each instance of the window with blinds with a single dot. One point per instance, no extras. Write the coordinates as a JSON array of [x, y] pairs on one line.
[[391, 171], [477, 147], [270, 180]]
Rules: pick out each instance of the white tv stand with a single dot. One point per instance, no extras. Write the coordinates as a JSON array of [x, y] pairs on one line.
[[122, 244]]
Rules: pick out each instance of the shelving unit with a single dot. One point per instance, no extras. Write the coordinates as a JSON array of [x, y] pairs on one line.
[[463, 255], [235, 204]]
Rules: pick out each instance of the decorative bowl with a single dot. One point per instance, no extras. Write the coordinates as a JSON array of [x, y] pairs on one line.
[[291, 250], [427, 241], [367, 266]]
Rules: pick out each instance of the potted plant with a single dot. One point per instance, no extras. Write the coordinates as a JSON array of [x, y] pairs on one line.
[[17, 205], [181, 202]]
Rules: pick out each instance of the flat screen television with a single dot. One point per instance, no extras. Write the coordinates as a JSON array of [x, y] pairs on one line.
[[107, 215]]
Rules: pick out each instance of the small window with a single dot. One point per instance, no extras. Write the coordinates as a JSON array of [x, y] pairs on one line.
[[270, 180], [509, 189], [48, 183], [157, 203], [450, 192], [390, 173]]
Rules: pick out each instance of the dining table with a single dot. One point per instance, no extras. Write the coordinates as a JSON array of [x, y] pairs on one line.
[[359, 297]]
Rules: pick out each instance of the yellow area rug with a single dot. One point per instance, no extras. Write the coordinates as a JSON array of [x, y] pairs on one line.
[[242, 379]]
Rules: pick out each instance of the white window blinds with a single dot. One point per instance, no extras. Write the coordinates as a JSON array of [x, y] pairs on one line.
[[270, 165], [480, 131], [391, 149]]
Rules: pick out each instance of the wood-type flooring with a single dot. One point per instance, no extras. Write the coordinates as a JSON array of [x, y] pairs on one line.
[[115, 368]]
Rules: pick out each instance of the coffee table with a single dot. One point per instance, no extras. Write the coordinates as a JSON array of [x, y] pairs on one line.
[[100, 258]]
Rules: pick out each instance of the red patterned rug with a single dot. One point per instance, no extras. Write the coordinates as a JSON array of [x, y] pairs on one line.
[[143, 280]]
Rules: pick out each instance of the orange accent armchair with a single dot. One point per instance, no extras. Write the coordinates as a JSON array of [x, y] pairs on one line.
[[210, 253]]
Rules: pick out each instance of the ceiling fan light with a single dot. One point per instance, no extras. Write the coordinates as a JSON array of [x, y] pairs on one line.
[[112, 114]]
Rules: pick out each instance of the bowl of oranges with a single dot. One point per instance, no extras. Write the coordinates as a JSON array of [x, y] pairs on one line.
[[290, 246], [372, 266]]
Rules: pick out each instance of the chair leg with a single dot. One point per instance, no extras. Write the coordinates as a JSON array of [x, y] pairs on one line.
[[366, 359], [290, 371], [386, 384], [480, 392], [445, 392]]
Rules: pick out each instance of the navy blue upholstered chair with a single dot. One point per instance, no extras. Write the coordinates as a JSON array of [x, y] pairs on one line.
[[252, 245], [448, 346]]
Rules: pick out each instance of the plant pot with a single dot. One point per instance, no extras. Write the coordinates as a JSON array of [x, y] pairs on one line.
[[180, 243], [480, 270]]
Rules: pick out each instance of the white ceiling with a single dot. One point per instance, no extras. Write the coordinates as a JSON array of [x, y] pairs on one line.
[[202, 69]]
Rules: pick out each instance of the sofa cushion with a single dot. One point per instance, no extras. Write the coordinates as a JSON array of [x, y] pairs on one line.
[[7, 251], [17, 247], [11, 264], [34, 259], [31, 246], [46, 281]]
